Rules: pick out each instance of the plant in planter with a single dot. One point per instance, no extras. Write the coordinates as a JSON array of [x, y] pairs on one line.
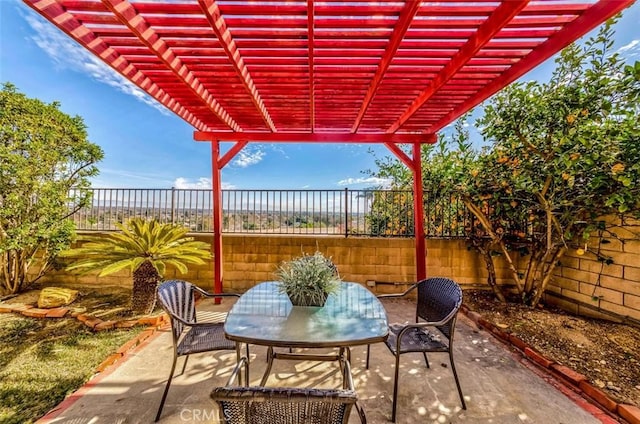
[[308, 279]]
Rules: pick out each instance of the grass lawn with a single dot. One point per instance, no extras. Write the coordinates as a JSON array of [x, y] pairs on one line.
[[44, 360]]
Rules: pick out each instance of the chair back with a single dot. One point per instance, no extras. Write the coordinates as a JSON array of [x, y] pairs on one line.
[[438, 298], [177, 299], [278, 405]]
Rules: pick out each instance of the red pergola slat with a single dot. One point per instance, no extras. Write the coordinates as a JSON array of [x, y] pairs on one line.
[[342, 71]]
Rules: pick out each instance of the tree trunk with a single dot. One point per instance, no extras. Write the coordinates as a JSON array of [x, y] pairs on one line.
[[547, 274], [485, 251], [145, 282]]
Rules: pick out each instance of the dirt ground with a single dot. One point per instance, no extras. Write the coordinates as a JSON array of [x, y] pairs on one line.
[[107, 302], [608, 354]]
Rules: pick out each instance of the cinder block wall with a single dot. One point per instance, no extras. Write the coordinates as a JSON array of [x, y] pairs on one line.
[[250, 259], [584, 285], [389, 262], [581, 285]]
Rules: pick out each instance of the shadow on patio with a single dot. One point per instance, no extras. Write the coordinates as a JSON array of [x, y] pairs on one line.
[[497, 387]]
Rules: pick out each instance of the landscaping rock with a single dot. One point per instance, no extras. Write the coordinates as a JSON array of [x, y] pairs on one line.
[[54, 297]]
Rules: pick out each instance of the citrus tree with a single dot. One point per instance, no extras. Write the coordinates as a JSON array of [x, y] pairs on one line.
[[564, 155], [559, 157], [146, 247], [44, 153]]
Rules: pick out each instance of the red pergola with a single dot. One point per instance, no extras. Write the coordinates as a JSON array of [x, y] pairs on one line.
[[391, 72]]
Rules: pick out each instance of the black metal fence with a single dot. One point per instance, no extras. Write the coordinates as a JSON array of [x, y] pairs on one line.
[[339, 212]]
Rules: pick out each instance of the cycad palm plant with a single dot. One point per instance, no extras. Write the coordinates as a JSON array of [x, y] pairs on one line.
[[145, 247]]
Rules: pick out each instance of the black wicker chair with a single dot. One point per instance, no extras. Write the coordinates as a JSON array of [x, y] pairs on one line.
[[283, 405], [438, 302], [177, 298]]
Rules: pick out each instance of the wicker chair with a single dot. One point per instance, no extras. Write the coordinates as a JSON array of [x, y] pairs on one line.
[[177, 298], [280, 405], [439, 300]]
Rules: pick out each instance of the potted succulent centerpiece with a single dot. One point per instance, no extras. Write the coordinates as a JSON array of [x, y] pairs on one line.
[[308, 279]]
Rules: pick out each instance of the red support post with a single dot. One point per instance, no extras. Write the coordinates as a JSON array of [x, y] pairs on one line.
[[415, 165], [418, 215], [216, 182]]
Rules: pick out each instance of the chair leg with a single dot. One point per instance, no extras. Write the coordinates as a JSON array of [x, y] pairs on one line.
[[426, 361], [395, 389], [184, 365], [455, 376], [361, 414], [166, 389], [368, 351]]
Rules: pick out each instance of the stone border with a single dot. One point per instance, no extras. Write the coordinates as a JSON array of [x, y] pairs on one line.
[[90, 321], [153, 323], [565, 375]]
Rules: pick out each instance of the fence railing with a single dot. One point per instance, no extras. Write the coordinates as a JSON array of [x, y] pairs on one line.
[[338, 212]]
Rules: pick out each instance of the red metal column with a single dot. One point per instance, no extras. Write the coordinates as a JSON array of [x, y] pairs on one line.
[[415, 165], [418, 214], [216, 187]]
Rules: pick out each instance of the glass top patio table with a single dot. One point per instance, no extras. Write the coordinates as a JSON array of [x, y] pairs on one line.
[[264, 316]]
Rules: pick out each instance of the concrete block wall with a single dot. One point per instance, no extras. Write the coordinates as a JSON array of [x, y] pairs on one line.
[[389, 262], [584, 285], [581, 285]]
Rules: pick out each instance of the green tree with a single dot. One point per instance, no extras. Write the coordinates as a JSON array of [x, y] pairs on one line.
[[561, 156], [45, 165], [564, 154], [143, 246]]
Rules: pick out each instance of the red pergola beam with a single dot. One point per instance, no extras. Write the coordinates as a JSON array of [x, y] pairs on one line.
[[67, 23], [311, 59], [127, 15], [323, 137], [234, 150], [502, 15], [404, 22], [400, 154], [217, 23], [593, 17]]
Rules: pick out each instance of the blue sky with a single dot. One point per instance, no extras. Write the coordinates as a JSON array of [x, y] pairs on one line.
[[147, 146]]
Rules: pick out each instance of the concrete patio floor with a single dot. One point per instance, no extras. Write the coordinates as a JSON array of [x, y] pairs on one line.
[[498, 387]]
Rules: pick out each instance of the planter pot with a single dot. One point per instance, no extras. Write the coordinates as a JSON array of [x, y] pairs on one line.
[[298, 300]]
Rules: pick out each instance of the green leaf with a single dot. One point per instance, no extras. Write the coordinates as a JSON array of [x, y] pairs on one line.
[[44, 153]]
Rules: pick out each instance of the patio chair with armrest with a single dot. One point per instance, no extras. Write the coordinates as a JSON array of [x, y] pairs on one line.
[[177, 298], [438, 302], [285, 405]]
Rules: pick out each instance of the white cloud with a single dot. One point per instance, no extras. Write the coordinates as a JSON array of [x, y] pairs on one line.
[[67, 54], [632, 46], [248, 157], [202, 183], [278, 149], [384, 182]]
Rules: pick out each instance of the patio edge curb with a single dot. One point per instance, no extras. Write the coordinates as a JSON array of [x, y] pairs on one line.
[[561, 373]]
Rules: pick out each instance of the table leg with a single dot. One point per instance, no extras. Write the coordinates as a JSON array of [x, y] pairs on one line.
[[344, 356], [246, 377], [238, 348], [269, 365]]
